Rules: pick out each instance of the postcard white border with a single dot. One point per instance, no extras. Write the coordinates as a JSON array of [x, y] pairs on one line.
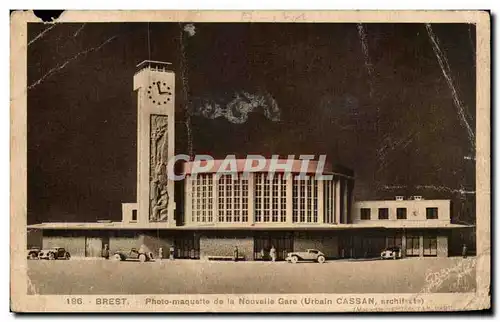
[[21, 302]]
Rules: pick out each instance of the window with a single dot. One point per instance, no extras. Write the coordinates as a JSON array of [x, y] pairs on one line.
[[244, 199], [431, 213], [401, 213], [202, 198], [270, 197], [365, 213], [305, 200], [282, 207], [258, 197], [430, 245], [134, 215], [295, 202], [233, 198], [302, 202], [329, 201], [383, 213], [221, 187]]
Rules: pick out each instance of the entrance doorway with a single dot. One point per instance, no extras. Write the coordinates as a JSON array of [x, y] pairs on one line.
[[430, 245], [412, 246], [361, 246], [372, 246], [95, 245], [263, 242], [187, 246]]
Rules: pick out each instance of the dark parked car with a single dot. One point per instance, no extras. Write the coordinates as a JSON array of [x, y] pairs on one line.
[[133, 254], [54, 253], [33, 253]]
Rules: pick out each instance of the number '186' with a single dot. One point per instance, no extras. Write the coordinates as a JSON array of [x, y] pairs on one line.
[[74, 300]]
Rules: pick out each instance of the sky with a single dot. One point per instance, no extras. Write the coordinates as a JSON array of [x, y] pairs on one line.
[[373, 97]]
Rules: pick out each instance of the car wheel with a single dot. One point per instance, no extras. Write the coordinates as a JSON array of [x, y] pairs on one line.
[[33, 256], [321, 259], [52, 256], [295, 259], [117, 257], [142, 258], [67, 256]]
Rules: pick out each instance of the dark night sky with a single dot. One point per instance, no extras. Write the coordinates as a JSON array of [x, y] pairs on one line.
[[82, 114]]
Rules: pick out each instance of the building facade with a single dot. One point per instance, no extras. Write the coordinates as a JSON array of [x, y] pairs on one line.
[[420, 227], [254, 211]]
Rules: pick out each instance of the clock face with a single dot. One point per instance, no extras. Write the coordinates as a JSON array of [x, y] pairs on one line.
[[159, 93]]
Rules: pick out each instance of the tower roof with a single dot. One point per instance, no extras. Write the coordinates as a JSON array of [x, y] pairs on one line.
[[154, 64]]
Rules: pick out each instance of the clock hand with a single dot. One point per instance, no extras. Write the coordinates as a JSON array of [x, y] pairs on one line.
[[159, 88]]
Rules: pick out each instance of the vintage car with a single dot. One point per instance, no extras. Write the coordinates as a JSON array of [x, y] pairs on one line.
[[54, 253], [33, 253], [133, 254], [310, 255], [391, 253]]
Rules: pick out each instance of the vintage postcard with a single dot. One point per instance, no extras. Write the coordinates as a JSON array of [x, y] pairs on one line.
[[258, 161]]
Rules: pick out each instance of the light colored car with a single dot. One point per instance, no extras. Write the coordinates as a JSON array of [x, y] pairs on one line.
[[391, 253], [133, 254], [310, 255], [54, 253]]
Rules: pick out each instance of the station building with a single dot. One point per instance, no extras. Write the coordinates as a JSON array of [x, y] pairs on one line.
[[252, 211]]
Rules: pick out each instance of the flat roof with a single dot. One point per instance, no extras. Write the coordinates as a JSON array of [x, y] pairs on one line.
[[227, 166], [257, 226], [397, 201], [155, 62]]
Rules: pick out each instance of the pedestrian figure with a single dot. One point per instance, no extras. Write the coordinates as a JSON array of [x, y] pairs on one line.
[[160, 253], [235, 253], [172, 250], [272, 253], [262, 254], [105, 252], [464, 251]]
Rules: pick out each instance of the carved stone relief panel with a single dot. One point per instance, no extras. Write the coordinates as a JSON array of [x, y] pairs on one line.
[[158, 192]]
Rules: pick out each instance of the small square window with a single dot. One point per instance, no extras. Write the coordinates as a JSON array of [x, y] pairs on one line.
[[365, 213], [431, 213], [383, 213], [401, 213], [134, 215]]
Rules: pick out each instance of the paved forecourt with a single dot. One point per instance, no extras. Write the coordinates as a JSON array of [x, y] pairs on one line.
[[191, 277]]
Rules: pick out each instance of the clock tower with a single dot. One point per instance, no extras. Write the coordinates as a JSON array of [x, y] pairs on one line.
[[154, 84]]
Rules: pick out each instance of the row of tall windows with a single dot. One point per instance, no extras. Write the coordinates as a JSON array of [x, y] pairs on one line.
[[228, 196]]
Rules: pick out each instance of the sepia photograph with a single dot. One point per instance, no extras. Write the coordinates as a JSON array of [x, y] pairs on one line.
[[251, 161]]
